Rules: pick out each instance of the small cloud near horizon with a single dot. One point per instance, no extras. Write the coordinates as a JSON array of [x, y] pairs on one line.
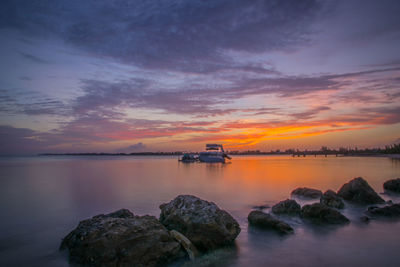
[[138, 147]]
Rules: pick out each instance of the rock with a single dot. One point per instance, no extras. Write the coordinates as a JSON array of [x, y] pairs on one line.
[[202, 222], [122, 213], [121, 239], [261, 207], [307, 192], [267, 221], [364, 219], [331, 199], [186, 244], [392, 185], [287, 206], [359, 191], [322, 214], [386, 211]]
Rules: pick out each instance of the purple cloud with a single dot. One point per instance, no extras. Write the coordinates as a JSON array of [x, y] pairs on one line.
[[149, 32]]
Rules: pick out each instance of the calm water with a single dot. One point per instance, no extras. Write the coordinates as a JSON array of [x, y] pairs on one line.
[[43, 198]]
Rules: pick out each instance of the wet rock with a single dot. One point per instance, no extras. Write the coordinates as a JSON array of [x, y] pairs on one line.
[[392, 185], [202, 222], [287, 206], [121, 239], [386, 211], [359, 191], [307, 192], [331, 199], [261, 207], [322, 214], [186, 244], [267, 221]]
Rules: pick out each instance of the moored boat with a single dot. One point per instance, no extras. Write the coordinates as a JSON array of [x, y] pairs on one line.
[[188, 157], [213, 153]]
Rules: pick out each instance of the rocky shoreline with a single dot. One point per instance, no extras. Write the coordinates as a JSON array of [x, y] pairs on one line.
[[189, 226]]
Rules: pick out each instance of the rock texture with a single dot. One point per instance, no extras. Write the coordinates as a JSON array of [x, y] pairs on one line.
[[392, 185], [202, 222], [359, 191], [121, 239], [387, 211], [307, 192], [331, 199], [287, 206], [322, 214], [186, 244], [267, 221], [261, 207]]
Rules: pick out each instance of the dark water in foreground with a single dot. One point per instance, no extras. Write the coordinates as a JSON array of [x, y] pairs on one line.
[[43, 198]]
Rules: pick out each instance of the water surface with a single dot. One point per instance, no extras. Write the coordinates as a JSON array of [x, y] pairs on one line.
[[43, 198]]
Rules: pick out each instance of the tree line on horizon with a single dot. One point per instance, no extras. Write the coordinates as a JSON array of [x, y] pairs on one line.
[[324, 150], [388, 149]]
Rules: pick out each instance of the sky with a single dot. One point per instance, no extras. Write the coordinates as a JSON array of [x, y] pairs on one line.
[[173, 75]]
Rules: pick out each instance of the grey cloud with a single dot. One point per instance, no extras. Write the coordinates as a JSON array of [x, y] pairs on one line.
[[184, 35], [207, 100], [138, 147], [14, 141], [19, 101], [33, 58], [309, 114], [385, 115]]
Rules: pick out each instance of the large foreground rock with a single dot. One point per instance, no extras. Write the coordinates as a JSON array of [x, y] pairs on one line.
[[392, 185], [202, 222], [287, 206], [331, 199], [359, 191], [121, 239], [307, 192], [322, 214], [267, 221], [387, 211]]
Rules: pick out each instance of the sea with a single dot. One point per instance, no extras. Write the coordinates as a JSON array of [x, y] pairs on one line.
[[43, 198]]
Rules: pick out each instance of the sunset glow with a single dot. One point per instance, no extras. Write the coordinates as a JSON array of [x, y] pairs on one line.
[[249, 75]]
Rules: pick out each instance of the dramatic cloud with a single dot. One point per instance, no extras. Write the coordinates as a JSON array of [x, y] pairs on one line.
[[184, 35], [81, 76]]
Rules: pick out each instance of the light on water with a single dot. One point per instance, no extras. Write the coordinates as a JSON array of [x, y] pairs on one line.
[[43, 198]]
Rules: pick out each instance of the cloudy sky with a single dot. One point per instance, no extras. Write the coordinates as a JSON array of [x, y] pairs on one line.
[[166, 75]]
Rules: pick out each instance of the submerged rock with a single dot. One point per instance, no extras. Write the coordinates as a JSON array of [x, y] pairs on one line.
[[359, 191], [364, 219], [307, 192], [386, 211], [287, 206], [322, 214], [121, 239], [331, 199], [267, 221], [392, 185], [202, 222]]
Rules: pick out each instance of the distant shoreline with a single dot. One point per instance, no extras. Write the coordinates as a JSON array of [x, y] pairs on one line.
[[179, 153]]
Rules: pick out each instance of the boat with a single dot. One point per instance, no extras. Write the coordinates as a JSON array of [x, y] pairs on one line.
[[213, 153], [188, 157]]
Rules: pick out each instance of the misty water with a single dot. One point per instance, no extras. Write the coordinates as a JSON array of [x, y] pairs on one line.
[[43, 198]]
